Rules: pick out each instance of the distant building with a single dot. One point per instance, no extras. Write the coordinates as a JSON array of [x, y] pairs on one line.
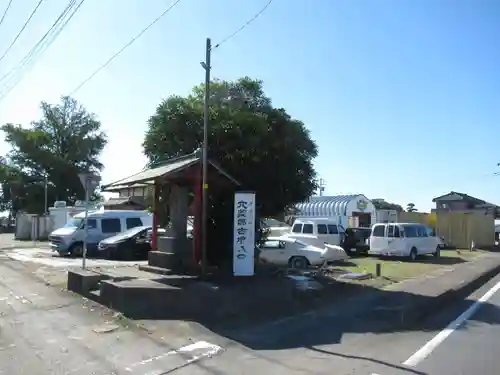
[[135, 190], [454, 201], [126, 203]]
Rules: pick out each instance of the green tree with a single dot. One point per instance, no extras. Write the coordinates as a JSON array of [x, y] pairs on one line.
[[410, 207], [382, 204], [263, 147], [66, 141]]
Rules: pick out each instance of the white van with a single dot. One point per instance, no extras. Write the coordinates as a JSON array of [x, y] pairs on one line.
[[403, 239], [317, 231], [101, 225]]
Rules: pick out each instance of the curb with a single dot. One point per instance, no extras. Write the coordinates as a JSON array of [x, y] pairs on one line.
[[418, 312]]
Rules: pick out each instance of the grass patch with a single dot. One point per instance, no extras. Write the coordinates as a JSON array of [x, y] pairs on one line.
[[399, 269]]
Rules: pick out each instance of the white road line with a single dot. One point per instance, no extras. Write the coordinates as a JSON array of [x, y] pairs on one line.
[[210, 350], [428, 348]]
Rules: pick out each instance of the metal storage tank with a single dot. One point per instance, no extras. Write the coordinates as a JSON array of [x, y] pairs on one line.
[[339, 207]]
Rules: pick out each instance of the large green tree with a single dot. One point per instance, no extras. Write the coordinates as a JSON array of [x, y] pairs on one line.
[[382, 204], [410, 207], [263, 147], [64, 142]]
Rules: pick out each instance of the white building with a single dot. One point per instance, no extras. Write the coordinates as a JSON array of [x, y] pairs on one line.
[[354, 210]]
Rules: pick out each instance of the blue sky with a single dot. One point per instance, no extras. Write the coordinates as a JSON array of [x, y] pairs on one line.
[[402, 96]]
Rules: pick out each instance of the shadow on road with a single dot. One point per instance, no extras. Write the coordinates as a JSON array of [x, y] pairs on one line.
[[356, 357], [270, 313]]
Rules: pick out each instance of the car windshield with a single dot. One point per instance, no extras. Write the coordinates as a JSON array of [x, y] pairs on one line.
[[273, 223], [74, 223], [130, 232]]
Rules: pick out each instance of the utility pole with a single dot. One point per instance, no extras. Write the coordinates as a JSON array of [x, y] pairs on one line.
[[45, 207], [322, 185], [86, 225], [204, 160], [89, 182]]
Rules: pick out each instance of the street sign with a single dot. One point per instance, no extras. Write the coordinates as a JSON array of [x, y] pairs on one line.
[[89, 181]]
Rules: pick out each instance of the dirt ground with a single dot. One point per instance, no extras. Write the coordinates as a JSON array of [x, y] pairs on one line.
[[7, 241]]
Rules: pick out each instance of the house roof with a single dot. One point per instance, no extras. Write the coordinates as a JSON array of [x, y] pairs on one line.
[[121, 187], [124, 200], [169, 167], [463, 196]]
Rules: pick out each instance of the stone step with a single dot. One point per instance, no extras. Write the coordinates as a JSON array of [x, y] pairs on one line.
[[155, 269], [150, 299], [95, 295]]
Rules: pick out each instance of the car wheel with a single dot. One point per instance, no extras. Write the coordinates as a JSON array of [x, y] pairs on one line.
[[76, 250], [299, 262], [437, 253], [413, 254]]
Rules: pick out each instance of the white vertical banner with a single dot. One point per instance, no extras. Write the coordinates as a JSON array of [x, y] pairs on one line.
[[244, 234]]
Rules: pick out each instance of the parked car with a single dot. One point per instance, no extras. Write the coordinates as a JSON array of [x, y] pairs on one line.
[[160, 232], [403, 239], [287, 251], [131, 244], [274, 227], [441, 241], [317, 231], [101, 225], [356, 240]]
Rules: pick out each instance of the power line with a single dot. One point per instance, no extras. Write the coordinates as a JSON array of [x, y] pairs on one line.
[[110, 60], [30, 59], [22, 29], [237, 31], [5, 12]]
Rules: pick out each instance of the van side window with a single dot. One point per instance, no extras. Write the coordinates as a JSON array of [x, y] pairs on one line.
[[396, 232], [307, 228], [297, 228], [332, 229], [322, 229], [411, 231], [132, 222], [390, 231], [111, 225], [378, 231], [422, 232], [92, 223]]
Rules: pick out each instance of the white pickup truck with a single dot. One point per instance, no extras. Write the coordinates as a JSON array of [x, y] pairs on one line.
[[317, 231]]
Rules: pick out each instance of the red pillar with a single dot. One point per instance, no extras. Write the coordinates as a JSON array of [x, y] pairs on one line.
[[156, 206], [197, 217]]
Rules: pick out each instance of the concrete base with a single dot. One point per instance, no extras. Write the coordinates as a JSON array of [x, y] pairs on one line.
[[83, 281], [163, 260], [186, 298], [147, 299], [166, 244]]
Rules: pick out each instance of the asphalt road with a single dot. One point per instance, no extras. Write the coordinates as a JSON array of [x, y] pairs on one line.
[[324, 344], [470, 344], [44, 330], [47, 331]]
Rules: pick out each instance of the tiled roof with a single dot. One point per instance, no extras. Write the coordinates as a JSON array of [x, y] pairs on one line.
[[147, 176], [124, 200]]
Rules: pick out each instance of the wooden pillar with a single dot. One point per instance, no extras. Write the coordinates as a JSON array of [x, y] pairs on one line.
[[156, 208]]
